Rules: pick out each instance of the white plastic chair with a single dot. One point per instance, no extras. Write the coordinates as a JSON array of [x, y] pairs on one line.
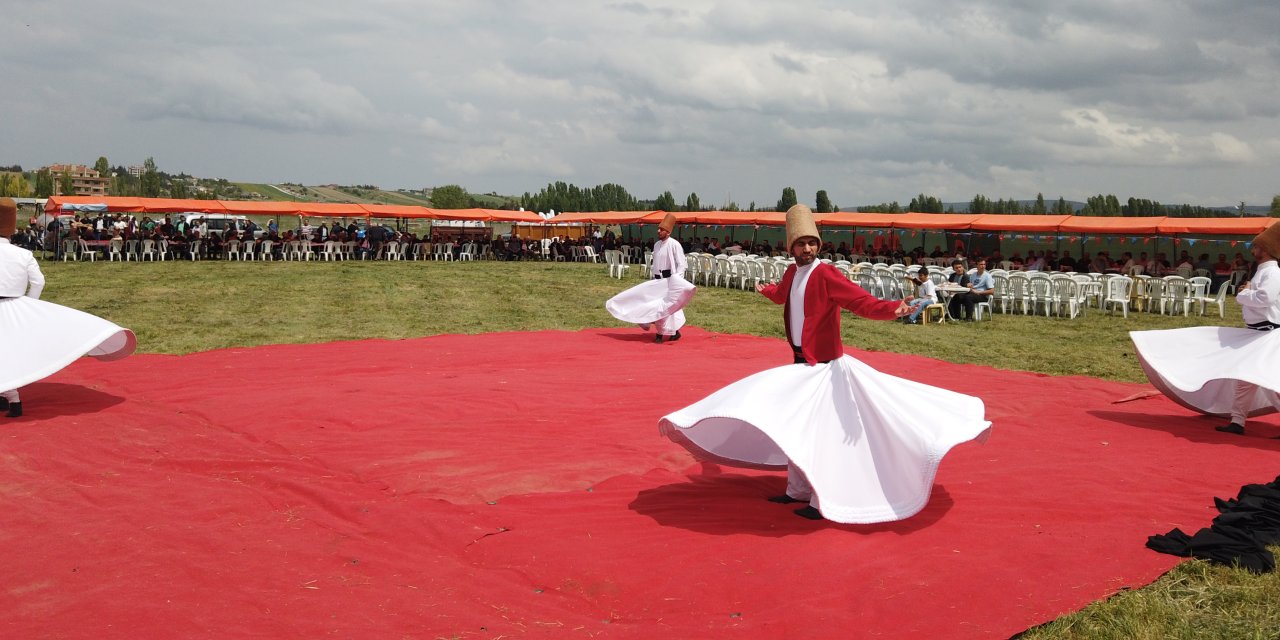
[[1118, 291], [116, 251], [70, 250], [1177, 294], [1219, 299], [1066, 297], [232, 250], [148, 250], [86, 252]]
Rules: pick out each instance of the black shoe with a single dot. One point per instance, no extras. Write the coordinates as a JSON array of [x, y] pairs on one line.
[[4, 404], [15, 410], [658, 338], [1237, 429], [784, 499], [674, 338], [810, 513]]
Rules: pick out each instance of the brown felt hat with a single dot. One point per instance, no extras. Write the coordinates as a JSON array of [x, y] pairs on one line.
[[8, 217], [800, 224], [1269, 240], [668, 222]]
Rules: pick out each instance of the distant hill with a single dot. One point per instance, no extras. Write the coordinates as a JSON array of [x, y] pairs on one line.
[[357, 194], [1249, 210]]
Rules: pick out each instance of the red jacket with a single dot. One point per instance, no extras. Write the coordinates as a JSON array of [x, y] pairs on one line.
[[824, 295]]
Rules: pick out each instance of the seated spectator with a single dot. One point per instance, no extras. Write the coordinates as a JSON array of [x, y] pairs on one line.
[[926, 294], [1036, 263], [1203, 263], [981, 285], [1101, 262]]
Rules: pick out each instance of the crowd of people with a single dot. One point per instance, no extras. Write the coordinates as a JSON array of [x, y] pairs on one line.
[[185, 234]]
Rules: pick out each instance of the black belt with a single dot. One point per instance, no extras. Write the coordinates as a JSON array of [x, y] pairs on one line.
[[1265, 325], [665, 273], [799, 354]]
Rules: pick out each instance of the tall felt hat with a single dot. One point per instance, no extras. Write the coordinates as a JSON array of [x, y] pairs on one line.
[[1269, 240], [668, 222], [800, 224], [8, 217]]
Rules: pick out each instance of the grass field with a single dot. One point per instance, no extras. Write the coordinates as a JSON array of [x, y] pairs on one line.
[[182, 307]]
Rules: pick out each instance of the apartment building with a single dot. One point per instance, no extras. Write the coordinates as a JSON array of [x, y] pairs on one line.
[[85, 180]]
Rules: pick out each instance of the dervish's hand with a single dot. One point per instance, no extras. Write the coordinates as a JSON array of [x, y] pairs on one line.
[[902, 310], [1243, 286], [759, 287]]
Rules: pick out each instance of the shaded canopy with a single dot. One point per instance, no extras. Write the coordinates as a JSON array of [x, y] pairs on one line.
[[957, 222]]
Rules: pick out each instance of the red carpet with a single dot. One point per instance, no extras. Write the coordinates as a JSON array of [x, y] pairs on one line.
[[515, 484]]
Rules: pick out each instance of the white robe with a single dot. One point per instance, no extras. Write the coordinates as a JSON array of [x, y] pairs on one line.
[[1198, 367], [868, 442], [39, 338], [659, 301], [1221, 371]]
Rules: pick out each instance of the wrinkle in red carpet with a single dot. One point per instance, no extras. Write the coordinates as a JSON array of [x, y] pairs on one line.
[[515, 485]]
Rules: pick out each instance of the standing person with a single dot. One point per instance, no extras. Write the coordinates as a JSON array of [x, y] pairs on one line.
[[1224, 371], [39, 338], [856, 445], [659, 302]]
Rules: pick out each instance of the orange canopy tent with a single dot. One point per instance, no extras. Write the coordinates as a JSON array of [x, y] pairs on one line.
[[856, 219], [181, 205], [1240, 226], [1048, 223], [504, 215], [94, 203], [399, 211], [606, 217], [262, 208], [1095, 225]]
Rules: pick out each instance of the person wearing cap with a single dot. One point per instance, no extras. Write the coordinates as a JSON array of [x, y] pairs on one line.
[[660, 302], [854, 441], [38, 338], [1225, 371]]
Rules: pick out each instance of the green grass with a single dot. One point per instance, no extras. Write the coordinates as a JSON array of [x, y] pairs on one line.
[[263, 190], [182, 307]]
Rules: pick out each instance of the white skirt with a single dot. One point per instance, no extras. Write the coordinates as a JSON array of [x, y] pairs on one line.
[[868, 442], [39, 338], [1198, 367], [653, 300]]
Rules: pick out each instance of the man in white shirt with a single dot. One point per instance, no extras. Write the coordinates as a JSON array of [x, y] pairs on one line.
[[1259, 300], [668, 262], [19, 275]]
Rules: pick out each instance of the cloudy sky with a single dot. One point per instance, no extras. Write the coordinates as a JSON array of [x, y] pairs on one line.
[[873, 100]]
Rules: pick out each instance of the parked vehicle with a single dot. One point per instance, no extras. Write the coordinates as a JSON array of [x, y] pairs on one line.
[[219, 223]]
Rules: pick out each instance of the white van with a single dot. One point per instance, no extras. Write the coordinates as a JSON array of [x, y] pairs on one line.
[[218, 223]]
